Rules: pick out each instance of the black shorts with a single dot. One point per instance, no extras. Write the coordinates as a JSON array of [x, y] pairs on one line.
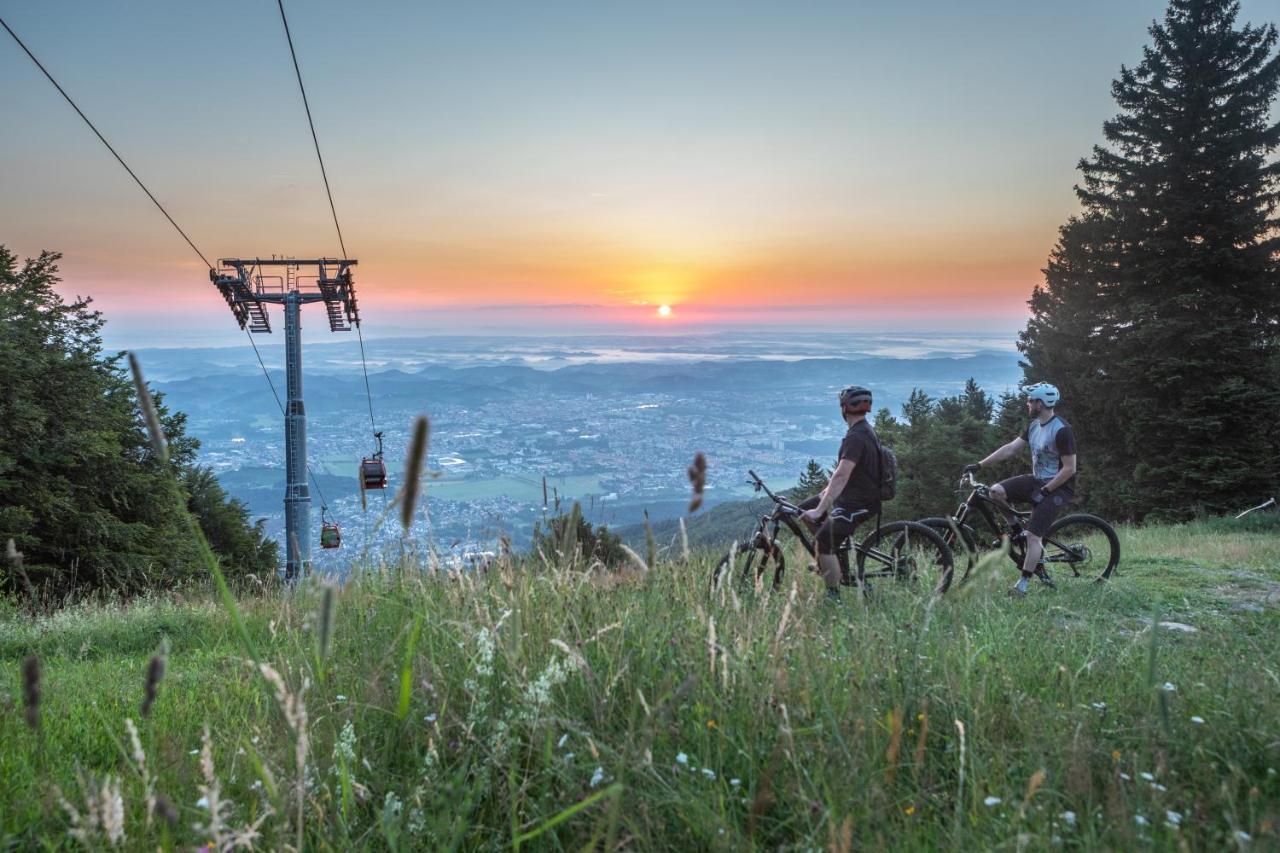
[[1020, 489], [839, 524]]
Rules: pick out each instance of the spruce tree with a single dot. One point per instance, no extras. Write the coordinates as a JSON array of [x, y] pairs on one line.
[[812, 480], [1158, 315]]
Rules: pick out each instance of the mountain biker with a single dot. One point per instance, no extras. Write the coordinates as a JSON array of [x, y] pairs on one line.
[[1052, 483], [852, 495]]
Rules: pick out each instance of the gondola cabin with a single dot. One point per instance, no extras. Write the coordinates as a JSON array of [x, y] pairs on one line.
[[373, 473], [330, 535]]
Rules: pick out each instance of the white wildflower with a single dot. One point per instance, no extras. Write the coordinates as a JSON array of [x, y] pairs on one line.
[[430, 718], [1198, 720], [733, 783], [340, 698], [1172, 818], [1099, 706], [1125, 776], [1147, 776], [563, 740], [1241, 835], [681, 758], [344, 749], [1169, 687], [597, 777], [202, 803], [1069, 818], [1140, 820], [992, 801]]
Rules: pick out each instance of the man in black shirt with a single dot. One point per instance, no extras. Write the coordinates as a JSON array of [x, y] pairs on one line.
[[853, 493]]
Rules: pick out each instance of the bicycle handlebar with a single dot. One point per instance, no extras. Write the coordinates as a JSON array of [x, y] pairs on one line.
[[787, 505]]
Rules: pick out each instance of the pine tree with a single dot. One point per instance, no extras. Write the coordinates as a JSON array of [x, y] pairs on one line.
[[1158, 315], [812, 480]]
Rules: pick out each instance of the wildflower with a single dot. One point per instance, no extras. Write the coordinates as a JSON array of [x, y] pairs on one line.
[[1241, 835], [1069, 818], [430, 718], [1172, 819], [1147, 776], [992, 801], [1115, 755], [564, 738], [709, 773], [597, 777], [1140, 820], [733, 783], [1169, 687], [1126, 777], [711, 724], [1199, 721], [681, 758], [909, 811], [340, 698], [1158, 786], [202, 803], [1099, 706]]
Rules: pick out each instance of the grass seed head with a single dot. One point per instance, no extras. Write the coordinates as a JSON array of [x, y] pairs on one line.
[[324, 632], [155, 433], [155, 673], [31, 690], [698, 480], [413, 471]]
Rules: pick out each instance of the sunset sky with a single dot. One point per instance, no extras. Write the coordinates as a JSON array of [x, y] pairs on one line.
[[561, 166]]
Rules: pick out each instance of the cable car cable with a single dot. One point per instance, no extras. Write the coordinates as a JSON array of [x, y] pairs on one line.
[[314, 138], [104, 141], [297, 70], [324, 504]]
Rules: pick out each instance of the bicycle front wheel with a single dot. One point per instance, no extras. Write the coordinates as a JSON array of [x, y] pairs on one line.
[[964, 549], [906, 550], [1081, 546], [747, 562]]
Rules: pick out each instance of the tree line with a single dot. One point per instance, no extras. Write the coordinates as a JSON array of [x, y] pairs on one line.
[[87, 503]]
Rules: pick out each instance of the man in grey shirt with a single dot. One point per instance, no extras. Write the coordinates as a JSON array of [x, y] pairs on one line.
[[1052, 482]]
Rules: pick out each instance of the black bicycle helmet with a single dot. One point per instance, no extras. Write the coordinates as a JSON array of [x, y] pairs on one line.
[[856, 397]]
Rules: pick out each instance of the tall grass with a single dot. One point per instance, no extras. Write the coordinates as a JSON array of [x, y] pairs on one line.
[[545, 705]]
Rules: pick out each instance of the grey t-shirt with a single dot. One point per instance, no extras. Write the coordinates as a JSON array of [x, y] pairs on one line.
[[1049, 443]]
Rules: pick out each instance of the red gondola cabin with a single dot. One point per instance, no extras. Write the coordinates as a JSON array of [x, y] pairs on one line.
[[330, 535]]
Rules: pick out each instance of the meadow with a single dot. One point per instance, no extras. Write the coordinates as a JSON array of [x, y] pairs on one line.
[[548, 704]]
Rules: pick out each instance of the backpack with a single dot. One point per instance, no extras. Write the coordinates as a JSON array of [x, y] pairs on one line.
[[888, 472]]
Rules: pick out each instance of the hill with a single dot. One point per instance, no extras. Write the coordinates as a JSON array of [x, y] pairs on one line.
[[541, 705]]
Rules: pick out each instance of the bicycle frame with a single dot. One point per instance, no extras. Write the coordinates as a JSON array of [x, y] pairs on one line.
[[786, 513]]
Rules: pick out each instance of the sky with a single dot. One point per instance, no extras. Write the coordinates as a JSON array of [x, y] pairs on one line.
[[554, 167]]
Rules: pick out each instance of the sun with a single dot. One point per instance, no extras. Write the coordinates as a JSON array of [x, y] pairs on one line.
[[664, 310]]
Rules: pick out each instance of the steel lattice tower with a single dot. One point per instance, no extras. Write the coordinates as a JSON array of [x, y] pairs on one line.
[[248, 292]]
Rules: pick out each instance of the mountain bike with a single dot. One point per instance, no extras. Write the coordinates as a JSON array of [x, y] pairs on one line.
[[903, 550], [1085, 545]]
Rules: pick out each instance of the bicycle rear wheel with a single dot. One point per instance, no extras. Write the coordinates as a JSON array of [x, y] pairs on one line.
[[906, 550], [748, 561], [1081, 546]]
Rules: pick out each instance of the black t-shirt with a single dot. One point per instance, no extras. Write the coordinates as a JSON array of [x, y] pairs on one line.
[[862, 449]]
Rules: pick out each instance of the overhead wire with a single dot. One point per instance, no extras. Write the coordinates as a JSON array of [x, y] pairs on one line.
[[161, 208], [104, 141], [324, 174]]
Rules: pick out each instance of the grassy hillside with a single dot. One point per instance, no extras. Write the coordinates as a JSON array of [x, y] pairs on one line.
[[558, 709]]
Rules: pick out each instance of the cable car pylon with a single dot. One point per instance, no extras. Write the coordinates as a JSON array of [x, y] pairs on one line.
[[248, 292]]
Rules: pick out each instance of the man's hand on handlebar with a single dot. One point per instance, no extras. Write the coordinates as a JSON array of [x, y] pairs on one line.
[[812, 517], [972, 468]]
